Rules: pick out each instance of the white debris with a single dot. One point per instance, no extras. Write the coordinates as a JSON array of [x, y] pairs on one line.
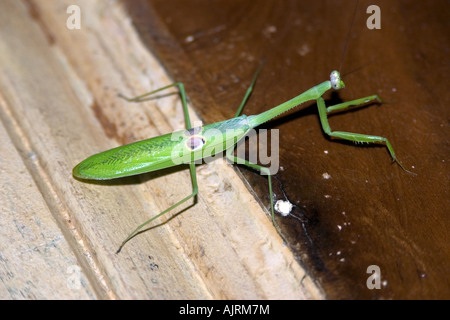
[[326, 176], [283, 207]]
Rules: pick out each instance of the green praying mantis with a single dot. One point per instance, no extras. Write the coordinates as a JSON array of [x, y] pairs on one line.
[[221, 137]]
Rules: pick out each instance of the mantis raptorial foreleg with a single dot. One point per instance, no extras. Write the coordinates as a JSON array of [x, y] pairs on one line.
[[356, 102], [355, 137]]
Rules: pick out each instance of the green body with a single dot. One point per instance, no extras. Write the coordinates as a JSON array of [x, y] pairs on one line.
[[173, 148], [193, 144], [164, 151]]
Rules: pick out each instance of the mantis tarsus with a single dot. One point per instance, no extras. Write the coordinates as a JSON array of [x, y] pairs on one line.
[[158, 152]]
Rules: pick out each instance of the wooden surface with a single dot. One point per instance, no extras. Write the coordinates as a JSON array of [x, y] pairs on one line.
[[369, 212], [58, 105]]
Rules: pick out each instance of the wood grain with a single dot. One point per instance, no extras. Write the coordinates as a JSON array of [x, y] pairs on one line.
[[369, 212], [59, 105]]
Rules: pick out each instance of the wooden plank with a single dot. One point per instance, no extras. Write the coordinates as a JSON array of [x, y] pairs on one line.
[[32, 245], [59, 90], [368, 211]]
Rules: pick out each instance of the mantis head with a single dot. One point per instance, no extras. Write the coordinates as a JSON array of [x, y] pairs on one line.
[[335, 79]]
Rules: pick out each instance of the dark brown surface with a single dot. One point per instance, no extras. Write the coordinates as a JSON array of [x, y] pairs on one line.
[[369, 212]]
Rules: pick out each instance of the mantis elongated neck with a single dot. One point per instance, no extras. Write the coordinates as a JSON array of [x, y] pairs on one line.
[[311, 94]]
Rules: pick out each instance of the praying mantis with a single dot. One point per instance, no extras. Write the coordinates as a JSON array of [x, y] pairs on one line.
[[190, 144]]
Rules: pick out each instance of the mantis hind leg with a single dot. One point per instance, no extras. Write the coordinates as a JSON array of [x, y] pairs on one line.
[[147, 96], [356, 137], [193, 173], [193, 194], [266, 171]]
